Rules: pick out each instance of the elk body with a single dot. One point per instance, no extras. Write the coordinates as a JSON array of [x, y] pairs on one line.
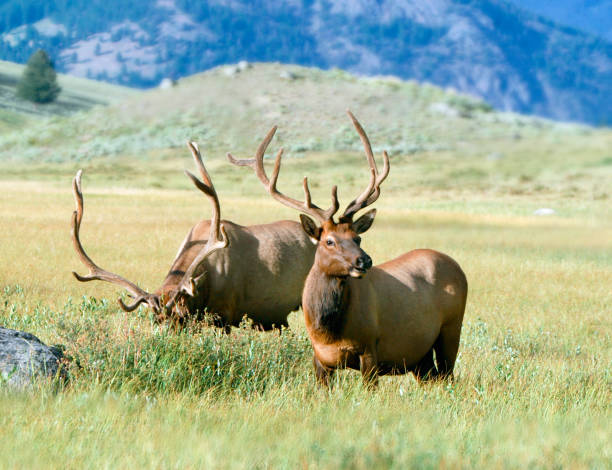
[[386, 319], [222, 267]]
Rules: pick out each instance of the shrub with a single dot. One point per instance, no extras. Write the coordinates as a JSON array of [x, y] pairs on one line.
[[39, 81]]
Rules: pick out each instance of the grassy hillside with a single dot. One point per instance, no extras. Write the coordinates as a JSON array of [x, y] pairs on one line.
[[77, 94], [438, 140], [535, 361]]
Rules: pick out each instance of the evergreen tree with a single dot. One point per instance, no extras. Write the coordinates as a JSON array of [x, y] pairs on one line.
[[39, 81]]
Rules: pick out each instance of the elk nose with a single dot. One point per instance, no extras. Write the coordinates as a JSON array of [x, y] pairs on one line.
[[364, 262]]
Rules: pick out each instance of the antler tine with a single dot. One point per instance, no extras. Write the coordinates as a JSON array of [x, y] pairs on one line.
[[329, 213], [360, 201], [97, 273], [364, 140], [372, 191], [78, 198], [207, 188], [381, 177], [197, 157], [256, 163], [307, 206]]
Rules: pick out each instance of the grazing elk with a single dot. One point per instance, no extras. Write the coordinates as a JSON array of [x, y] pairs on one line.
[[388, 321], [222, 267]]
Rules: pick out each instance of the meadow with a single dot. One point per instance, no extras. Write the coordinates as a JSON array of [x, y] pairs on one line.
[[533, 384]]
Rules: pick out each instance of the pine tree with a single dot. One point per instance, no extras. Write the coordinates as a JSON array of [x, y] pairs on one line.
[[39, 81]]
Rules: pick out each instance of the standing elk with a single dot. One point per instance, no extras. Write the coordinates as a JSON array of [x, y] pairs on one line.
[[222, 267], [390, 321]]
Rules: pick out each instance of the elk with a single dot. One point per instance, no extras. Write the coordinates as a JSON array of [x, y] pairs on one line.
[[222, 267], [386, 319]]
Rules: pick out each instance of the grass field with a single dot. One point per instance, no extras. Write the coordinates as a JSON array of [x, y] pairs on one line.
[[534, 373]]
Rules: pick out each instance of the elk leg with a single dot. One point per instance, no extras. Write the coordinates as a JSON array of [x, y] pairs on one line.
[[322, 373], [425, 370], [368, 365], [446, 347]]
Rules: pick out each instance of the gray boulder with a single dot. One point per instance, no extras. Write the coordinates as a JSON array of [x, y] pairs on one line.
[[23, 358]]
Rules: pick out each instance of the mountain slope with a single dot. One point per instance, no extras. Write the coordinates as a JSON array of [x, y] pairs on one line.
[[591, 16], [513, 59]]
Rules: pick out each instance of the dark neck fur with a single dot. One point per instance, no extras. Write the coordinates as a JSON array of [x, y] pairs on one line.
[[325, 300]]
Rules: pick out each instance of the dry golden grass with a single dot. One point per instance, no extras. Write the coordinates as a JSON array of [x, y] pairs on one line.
[[534, 373]]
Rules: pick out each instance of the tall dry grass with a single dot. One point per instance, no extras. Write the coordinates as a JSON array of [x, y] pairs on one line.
[[534, 372]]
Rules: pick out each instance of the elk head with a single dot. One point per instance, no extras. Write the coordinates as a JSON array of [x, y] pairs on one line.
[[173, 299], [338, 251]]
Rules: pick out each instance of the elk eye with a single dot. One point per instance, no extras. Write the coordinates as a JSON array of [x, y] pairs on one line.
[[329, 242]]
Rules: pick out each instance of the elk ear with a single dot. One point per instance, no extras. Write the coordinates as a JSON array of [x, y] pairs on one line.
[[311, 229], [364, 222]]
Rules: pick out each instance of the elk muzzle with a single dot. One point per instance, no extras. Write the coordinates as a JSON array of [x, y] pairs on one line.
[[361, 265]]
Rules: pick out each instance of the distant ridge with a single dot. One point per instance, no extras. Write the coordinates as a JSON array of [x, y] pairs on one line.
[[590, 16], [492, 49]]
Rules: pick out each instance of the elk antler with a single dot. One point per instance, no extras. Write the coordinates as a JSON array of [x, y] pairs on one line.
[[207, 188], [372, 191], [217, 237], [97, 273], [307, 206]]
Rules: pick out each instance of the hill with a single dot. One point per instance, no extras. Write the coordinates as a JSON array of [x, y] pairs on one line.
[[438, 140], [77, 94], [512, 58], [230, 108]]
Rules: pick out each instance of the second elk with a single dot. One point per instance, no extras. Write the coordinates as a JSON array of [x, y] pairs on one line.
[[386, 319], [221, 267]]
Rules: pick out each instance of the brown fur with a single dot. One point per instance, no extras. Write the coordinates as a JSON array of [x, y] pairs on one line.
[[260, 274], [392, 319]]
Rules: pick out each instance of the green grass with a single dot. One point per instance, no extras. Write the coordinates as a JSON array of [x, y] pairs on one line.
[[534, 373]]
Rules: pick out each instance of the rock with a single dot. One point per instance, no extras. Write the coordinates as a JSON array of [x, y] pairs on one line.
[[231, 70], [544, 211], [167, 83], [23, 357], [243, 65], [287, 75], [443, 108]]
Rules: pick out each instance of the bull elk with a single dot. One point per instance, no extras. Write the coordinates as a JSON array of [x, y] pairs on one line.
[[388, 321], [222, 267]]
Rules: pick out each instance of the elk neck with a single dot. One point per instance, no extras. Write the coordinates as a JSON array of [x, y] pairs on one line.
[[325, 300]]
